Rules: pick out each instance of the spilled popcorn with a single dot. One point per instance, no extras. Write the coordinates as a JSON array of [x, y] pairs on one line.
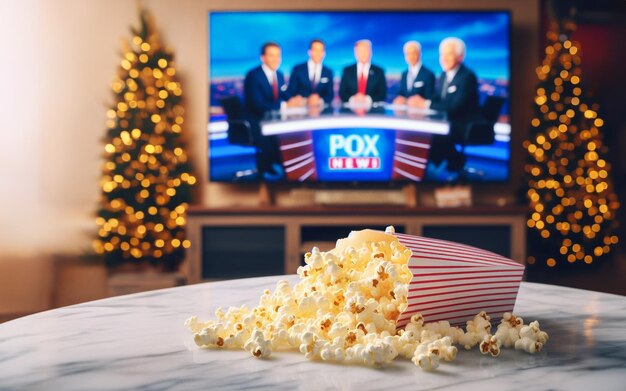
[[345, 308]]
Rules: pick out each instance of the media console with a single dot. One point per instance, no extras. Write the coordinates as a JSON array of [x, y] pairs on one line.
[[242, 242]]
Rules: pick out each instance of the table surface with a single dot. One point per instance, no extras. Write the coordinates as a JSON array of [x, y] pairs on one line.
[[139, 342]]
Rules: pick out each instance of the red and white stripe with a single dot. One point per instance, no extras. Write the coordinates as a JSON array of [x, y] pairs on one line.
[[298, 157], [454, 282], [410, 155]]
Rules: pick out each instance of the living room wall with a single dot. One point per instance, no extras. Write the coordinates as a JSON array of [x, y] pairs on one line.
[[64, 54], [60, 57]]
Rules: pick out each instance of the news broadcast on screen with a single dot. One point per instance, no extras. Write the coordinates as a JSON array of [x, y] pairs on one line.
[[359, 97]]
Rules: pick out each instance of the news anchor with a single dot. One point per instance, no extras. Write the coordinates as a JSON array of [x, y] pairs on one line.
[[265, 90], [264, 86], [456, 94], [417, 79], [363, 82], [311, 83]]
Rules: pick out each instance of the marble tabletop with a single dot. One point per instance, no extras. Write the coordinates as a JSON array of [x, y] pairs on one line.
[[139, 341]]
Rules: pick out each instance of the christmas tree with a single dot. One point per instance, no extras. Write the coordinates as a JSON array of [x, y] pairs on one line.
[[570, 191], [146, 178]]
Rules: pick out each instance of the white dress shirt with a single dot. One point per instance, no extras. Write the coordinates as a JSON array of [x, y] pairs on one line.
[[449, 76], [269, 73], [362, 69], [412, 75], [451, 73], [315, 71]]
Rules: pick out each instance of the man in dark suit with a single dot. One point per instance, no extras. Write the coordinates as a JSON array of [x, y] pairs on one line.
[[265, 90], [457, 95], [264, 87], [417, 80], [363, 82], [311, 83]]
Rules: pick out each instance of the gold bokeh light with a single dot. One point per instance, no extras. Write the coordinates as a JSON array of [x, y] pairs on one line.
[[571, 199], [146, 179]]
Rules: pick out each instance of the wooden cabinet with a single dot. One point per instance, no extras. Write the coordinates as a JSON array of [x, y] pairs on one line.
[[246, 242]]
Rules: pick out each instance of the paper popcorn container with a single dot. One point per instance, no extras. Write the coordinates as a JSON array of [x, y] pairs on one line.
[[454, 282]]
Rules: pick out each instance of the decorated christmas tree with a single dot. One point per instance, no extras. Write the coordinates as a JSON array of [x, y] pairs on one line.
[[146, 178], [570, 190]]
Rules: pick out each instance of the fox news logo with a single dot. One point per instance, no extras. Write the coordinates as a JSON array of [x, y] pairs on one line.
[[354, 152]]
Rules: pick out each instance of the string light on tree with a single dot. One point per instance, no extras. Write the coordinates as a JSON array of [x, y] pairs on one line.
[[146, 178], [570, 191]]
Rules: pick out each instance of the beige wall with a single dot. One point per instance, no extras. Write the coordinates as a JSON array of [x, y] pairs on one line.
[[58, 58]]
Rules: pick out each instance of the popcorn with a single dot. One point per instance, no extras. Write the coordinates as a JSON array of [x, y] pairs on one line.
[[345, 309], [531, 339], [208, 337], [508, 329], [443, 329], [476, 330], [194, 325], [311, 346], [416, 324], [379, 354], [258, 345], [330, 353], [443, 348], [426, 357], [491, 345], [480, 325]]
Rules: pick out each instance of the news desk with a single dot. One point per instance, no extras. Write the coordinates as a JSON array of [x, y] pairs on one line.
[[383, 143]]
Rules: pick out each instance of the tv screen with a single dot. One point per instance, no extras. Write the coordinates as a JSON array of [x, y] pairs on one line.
[[356, 97]]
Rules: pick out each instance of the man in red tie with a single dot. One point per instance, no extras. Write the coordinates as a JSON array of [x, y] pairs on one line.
[[363, 82], [264, 91], [264, 86]]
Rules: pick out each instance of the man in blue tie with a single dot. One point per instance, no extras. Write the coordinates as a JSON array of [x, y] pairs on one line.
[[417, 80], [311, 83]]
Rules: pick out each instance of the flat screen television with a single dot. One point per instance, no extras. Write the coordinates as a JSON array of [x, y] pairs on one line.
[[330, 123]]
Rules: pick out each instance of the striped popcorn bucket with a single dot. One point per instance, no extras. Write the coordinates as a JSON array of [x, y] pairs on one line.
[[453, 281]]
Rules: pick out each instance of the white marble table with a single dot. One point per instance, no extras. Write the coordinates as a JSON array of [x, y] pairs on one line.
[[139, 342]]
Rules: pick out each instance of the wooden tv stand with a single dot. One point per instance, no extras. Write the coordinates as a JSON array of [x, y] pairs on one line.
[[243, 241]]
